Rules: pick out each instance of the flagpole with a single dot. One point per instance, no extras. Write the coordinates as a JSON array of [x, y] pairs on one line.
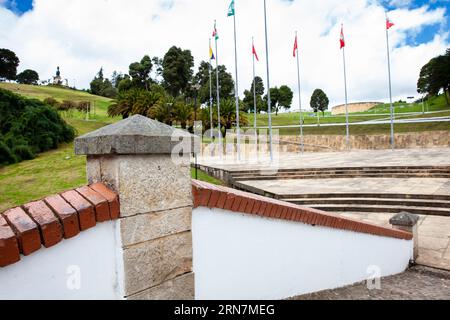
[[218, 96], [390, 87], [300, 98], [236, 91], [254, 93], [210, 96], [346, 98], [268, 85]]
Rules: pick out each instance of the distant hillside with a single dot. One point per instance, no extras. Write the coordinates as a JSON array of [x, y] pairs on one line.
[[437, 103], [60, 94]]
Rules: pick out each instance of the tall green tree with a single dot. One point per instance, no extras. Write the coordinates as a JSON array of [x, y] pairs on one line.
[[28, 77], [177, 70], [102, 86], [279, 98], [319, 101], [248, 104], [140, 73], [8, 64], [226, 82], [435, 76]]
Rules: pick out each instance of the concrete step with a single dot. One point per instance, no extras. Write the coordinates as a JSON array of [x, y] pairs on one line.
[[381, 208], [366, 195], [444, 169], [372, 201], [337, 176], [310, 172]]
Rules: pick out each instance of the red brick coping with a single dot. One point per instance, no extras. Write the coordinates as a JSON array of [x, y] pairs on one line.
[[212, 196], [25, 229]]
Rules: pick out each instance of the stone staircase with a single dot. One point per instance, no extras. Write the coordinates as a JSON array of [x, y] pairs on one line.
[[425, 204], [349, 172], [438, 205]]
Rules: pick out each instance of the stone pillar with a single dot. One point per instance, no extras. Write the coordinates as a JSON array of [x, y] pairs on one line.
[[135, 158], [406, 221]]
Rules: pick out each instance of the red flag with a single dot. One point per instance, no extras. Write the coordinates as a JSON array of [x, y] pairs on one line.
[[342, 40], [295, 46], [389, 24], [254, 53]]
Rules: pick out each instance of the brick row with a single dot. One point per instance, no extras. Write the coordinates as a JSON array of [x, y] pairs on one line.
[[25, 229], [212, 196]]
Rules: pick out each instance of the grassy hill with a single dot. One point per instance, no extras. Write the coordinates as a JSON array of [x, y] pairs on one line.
[[58, 170], [99, 104]]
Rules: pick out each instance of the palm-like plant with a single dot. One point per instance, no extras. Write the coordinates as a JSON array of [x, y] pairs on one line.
[[135, 101], [183, 114]]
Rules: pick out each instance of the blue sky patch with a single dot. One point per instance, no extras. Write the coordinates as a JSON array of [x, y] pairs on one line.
[[19, 6]]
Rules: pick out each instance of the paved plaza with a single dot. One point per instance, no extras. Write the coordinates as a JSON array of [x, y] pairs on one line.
[[359, 158], [417, 283]]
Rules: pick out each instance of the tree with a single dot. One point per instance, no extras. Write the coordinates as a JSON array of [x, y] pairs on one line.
[[183, 114], [249, 96], [279, 98], [103, 87], [8, 64], [228, 114], [177, 70], [226, 82], [435, 75], [285, 96], [28, 77], [140, 72], [137, 101], [319, 101]]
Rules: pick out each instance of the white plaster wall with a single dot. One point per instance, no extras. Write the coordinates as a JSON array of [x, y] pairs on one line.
[[94, 255], [239, 256]]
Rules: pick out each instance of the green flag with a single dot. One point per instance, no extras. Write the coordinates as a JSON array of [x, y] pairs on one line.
[[231, 9]]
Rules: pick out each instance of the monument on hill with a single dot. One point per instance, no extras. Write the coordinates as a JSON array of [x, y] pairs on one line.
[[57, 80]]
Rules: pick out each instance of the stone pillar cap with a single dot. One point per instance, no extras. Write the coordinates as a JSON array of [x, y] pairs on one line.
[[136, 135], [404, 219]]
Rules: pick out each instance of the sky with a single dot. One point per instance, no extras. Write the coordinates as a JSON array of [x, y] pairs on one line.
[[81, 36]]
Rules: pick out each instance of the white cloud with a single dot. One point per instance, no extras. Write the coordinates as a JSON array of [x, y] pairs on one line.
[[81, 36]]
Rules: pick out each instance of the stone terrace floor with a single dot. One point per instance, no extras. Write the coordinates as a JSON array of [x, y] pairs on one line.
[[360, 158], [418, 283]]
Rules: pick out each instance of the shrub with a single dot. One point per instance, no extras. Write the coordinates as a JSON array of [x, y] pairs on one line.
[[84, 106], [28, 127], [52, 102], [67, 105]]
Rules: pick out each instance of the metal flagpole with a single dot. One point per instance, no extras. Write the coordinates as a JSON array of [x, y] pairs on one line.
[[390, 87], [218, 94], [346, 98], [236, 91], [300, 98], [254, 93], [210, 97], [268, 85]]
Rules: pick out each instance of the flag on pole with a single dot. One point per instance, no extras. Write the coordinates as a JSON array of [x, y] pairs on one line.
[[254, 52], [211, 53], [215, 33], [231, 9], [295, 47], [389, 24], [342, 39]]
